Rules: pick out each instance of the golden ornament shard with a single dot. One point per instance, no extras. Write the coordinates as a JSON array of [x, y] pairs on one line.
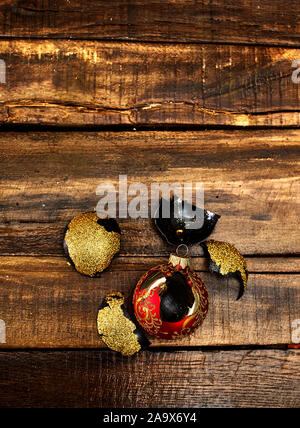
[[117, 331], [225, 259], [91, 243]]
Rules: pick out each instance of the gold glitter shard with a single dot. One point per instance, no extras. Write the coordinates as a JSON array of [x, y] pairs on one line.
[[116, 330], [90, 246], [228, 260]]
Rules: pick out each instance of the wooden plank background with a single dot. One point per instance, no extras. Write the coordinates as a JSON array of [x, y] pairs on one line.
[[49, 177], [273, 22], [162, 92], [66, 82], [47, 304], [98, 379]]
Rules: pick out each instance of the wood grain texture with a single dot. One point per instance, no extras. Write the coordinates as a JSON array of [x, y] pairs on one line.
[[251, 178], [47, 304], [245, 378], [265, 264], [70, 83], [256, 22]]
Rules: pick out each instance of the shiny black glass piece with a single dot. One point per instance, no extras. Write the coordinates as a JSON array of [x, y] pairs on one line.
[[184, 224]]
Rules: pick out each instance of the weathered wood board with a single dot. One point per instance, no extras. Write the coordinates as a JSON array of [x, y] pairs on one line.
[[46, 303], [241, 378], [251, 178], [274, 22], [85, 83]]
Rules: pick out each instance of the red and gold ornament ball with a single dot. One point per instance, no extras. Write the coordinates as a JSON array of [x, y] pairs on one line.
[[171, 300]]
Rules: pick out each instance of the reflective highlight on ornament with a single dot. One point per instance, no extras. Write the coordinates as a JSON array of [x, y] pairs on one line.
[[171, 300], [91, 242], [226, 260], [116, 328]]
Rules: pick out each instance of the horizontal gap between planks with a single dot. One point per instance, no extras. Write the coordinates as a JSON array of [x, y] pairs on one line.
[[138, 256], [140, 128], [162, 348]]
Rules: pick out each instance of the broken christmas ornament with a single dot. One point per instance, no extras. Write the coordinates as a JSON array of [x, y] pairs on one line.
[[117, 329], [171, 300], [91, 242], [226, 260]]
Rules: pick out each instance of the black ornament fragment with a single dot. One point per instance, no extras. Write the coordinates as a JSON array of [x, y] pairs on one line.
[[186, 223]]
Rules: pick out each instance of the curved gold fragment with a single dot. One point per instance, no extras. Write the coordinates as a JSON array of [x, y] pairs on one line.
[[116, 330], [227, 260]]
